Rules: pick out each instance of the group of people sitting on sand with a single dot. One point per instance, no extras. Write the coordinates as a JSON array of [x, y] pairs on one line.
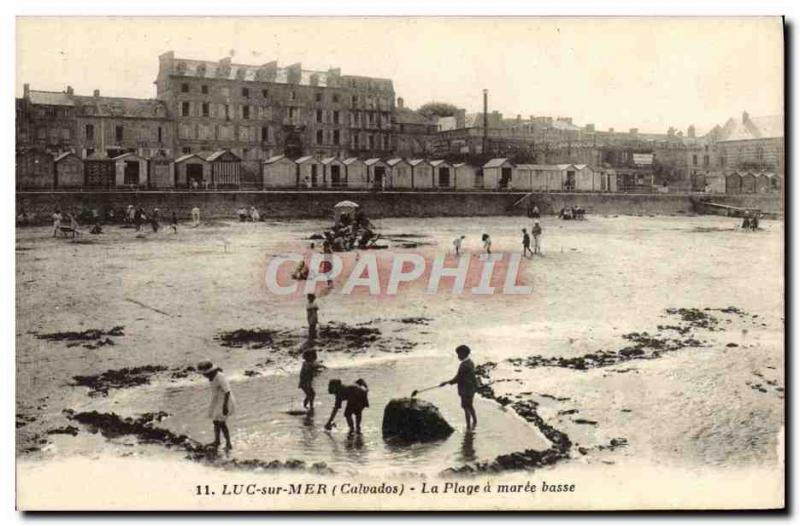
[[574, 212], [750, 221], [353, 397]]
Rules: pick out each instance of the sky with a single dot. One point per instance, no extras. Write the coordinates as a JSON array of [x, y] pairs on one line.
[[621, 73]]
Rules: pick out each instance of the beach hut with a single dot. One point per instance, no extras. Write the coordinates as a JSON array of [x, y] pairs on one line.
[[161, 171], [279, 172], [378, 174], [99, 171], [733, 183], [763, 183], [421, 173], [192, 171], [443, 176], [400, 173], [356, 173], [35, 169], [748, 183], [466, 176], [585, 180], [226, 169], [714, 183], [498, 174], [344, 208], [335, 173], [69, 170], [311, 172], [130, 170]]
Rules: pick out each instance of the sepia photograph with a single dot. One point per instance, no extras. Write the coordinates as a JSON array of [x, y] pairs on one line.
[[399, 263]]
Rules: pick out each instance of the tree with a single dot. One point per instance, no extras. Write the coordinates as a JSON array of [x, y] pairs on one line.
[[437, 109]]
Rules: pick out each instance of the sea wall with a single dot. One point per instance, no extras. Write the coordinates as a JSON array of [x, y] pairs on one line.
[[318, 204]]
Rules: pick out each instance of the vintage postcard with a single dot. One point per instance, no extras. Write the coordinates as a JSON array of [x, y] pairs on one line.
[[400, 263]]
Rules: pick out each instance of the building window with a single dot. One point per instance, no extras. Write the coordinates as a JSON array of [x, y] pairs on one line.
[[184, 88], [335, 97], [118, 133], [186, 150], [245, 112], [160, 136], [246, 92], [90, 132], [354, 100], [319, 136], [320, 116], [204, 89], [318, 96], [694, 160], [705, 160], [265, 93], [292, 95], [336, 117], [336, 137], [184, 109], [264, 134], [227, 112], [206, 110]]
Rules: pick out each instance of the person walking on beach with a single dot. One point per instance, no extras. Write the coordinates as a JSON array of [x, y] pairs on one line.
[[487, 243], [57, 218], [174, 223], [355, 396], [327, 261], [535, 214], [312, 310], [222, 402], [457, 244], [467, 384], [308, 371], [537, 232], [195, 217], [154, 220], [526, 243]]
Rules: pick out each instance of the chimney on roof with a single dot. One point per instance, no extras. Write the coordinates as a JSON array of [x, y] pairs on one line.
[[26, 90], [400, 102], [691, 131], [97, 93], [745, 117], [634, 131], [70, 91]]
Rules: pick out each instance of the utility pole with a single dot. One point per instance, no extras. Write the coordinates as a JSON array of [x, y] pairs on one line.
[[485, 118]]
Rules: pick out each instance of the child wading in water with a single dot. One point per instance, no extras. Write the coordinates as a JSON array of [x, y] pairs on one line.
[[307, 373], [356, 397], [222, 402], [467, 385], [311, 314]]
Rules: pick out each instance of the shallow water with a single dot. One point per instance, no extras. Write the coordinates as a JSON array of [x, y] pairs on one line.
[[263, 429]]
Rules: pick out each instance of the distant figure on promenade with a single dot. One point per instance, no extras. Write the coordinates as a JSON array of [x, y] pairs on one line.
[[306, 181], [195, 217], [457, 244], [526, 243], [312, 311], [255, 217], [535, 213], [487, 243], [467, 383], [222, 402], [355, 396], [308, 371], [174, 223], [537, 233], [57, 218]]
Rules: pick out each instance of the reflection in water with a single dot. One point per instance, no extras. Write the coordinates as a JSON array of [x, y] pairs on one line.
[[468, 447]]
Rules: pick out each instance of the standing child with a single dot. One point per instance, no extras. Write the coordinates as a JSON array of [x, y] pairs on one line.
[[327, 261], [537, 232], [174, 223], [356, 397], [487, 243], [307, 373], [467, 385], [195, 216], [222, 402], [311, 314], [526, 243], [57, 218], [457, 244]]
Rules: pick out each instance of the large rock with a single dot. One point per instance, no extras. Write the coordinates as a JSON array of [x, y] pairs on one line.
[[413, 420]]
